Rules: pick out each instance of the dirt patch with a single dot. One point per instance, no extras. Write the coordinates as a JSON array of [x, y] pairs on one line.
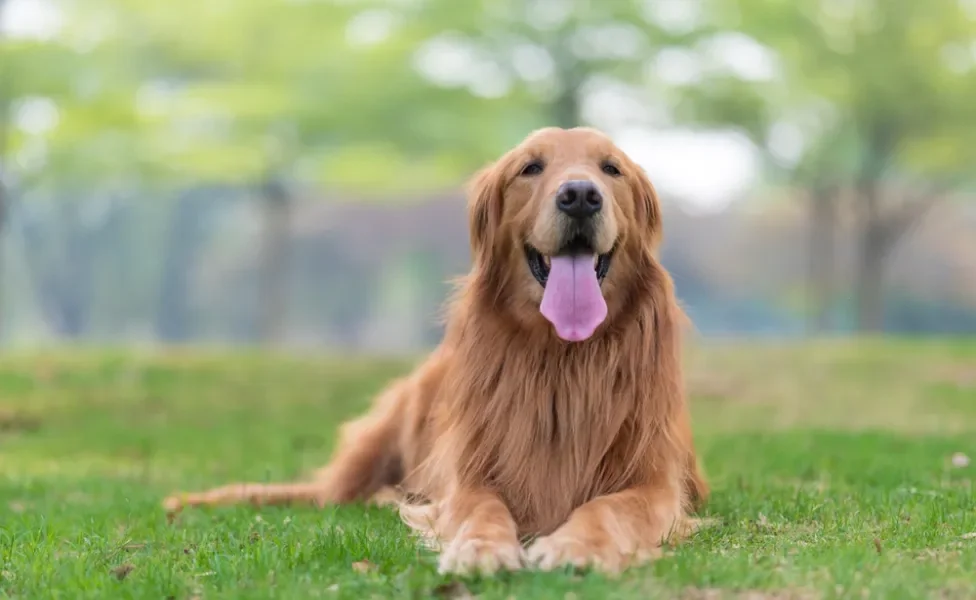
[[454, 590], [18, 422], [714, 594], [708, 384], [960, 376], [122, 571]]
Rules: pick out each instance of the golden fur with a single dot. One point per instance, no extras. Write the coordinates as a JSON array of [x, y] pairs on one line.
[[507, 432]]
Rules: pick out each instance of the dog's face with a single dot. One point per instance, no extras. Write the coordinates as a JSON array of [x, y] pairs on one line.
[[559, 227]]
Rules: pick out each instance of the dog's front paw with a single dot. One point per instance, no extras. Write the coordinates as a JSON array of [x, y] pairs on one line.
[[562, 549], [471, 555], [173, 504]]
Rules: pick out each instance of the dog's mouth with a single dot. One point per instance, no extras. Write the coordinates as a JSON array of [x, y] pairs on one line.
[[540, 265], [572, 299]]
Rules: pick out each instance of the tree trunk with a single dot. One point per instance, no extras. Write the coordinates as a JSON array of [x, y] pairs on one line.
[[566, 109], [879, 233], [274, 262], [873, 243], [4, 200], [821, 286], [871, 251], [73, 277], [182, 248], [869, 286], [3, 243]]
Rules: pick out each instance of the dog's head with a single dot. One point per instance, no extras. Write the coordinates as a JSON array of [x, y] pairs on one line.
[[560, 227]]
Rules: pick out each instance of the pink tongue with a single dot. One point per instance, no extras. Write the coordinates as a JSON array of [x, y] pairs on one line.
[[572, 300]]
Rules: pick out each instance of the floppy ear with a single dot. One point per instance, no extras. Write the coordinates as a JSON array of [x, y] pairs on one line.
[[648, 205], [484, 210]]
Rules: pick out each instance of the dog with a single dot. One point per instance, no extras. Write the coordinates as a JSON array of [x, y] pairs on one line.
[[553, 412]]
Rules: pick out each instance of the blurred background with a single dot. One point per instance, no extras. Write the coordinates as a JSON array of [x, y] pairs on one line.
[[289, 172]]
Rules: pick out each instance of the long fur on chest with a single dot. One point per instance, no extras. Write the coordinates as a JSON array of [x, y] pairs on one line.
[[548, 425]]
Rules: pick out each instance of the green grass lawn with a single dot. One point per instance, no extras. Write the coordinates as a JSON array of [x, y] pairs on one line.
[[831, 465]]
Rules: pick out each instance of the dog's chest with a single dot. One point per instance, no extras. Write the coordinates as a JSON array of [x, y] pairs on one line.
[[552, 429], [561, 454]]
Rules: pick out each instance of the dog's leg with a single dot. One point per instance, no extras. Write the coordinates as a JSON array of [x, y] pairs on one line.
[[478, 533], [616, 531], [367, 459], [249, 493], [696, 488]]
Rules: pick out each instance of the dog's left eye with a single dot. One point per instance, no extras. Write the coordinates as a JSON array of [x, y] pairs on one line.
[[533, 168], [610, 169]]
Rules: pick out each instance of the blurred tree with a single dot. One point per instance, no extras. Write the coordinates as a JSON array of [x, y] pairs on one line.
[[4, 133], [550, 55], [72, 126], [870, 97], [65, 238], [370, 96], [264, 95]]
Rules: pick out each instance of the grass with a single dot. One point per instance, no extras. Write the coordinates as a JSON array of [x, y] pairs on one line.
[[831, 466]]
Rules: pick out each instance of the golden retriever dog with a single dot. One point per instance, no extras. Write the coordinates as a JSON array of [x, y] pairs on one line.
[[553, 412]]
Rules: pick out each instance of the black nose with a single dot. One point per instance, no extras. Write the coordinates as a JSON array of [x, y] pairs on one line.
[[579, 199]]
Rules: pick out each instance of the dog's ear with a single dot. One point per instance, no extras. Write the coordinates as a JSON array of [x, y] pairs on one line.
[[485, 197], [648, 205]]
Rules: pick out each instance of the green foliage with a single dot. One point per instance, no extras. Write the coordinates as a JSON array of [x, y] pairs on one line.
[[385, 95], [234, 94], [869, 89], [351, 95]]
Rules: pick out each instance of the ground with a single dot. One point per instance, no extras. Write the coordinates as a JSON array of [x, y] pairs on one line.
[[840, 469]]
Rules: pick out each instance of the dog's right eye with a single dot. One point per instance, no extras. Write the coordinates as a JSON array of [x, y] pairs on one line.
[[533, 168]]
